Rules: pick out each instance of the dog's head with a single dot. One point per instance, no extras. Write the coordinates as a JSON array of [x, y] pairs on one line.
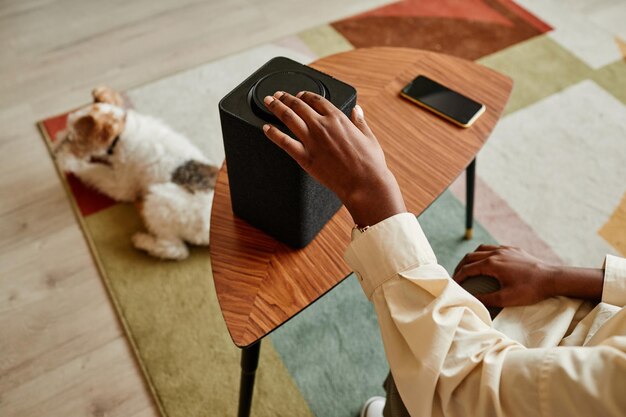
[[92, 130]]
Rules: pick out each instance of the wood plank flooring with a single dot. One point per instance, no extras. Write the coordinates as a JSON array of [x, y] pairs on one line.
[[62, 351]]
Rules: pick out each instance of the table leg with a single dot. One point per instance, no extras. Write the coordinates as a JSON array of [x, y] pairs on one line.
[[470, 180], [249, 363]]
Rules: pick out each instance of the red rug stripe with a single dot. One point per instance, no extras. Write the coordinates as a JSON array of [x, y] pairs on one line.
[[530, 18], [475, 10]]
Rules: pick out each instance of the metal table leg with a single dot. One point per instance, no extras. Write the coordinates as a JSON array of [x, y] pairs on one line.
[[249, 364], [470, 180]]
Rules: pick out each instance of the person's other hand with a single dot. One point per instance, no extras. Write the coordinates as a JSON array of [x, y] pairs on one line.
[[340, 153], [523, 278]]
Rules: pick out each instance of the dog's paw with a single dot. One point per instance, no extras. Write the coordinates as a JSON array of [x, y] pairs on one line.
[[69, 163], [142, 240], [174, 249]]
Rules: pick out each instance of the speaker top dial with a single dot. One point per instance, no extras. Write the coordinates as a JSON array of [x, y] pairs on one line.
[[291, 82]]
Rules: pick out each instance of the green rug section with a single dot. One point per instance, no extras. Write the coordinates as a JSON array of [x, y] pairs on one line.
[[333, 349], [325, 40], [540, 67], [174, 323], [613, 79]]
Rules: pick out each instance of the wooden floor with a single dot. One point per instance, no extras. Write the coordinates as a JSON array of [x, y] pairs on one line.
[[62, 351]]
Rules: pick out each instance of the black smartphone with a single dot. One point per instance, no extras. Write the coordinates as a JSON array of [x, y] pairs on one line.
[[443, 101]]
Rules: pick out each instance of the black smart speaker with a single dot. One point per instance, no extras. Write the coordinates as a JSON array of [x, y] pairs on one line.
[[268, 189]]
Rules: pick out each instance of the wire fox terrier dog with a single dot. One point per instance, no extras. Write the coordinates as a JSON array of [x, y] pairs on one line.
[[132, 157]]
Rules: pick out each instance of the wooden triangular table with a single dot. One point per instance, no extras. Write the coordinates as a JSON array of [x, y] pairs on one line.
[[262, 283]]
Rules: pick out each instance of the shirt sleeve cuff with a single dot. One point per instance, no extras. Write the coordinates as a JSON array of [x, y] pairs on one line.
[[614, 287], [386, 249]]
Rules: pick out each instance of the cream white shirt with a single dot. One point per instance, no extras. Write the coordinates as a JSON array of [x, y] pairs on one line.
[[559, 357]]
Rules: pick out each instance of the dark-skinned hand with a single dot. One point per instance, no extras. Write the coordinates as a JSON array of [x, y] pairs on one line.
[[525, 279], [341, 153]]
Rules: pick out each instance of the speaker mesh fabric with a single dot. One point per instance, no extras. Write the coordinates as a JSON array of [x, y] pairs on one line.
[[268, 189]]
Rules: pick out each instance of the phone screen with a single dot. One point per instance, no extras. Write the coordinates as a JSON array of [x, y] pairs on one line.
[[444, 101]]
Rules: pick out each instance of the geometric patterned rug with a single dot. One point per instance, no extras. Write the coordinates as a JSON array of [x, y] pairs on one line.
[[550, 179]]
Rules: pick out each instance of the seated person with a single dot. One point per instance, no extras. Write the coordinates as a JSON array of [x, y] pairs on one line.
[[558, 356]]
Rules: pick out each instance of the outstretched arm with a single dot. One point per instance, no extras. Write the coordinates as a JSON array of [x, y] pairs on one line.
[[445, 356]]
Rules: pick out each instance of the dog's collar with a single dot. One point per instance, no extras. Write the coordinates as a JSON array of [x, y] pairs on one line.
[[113, 144]]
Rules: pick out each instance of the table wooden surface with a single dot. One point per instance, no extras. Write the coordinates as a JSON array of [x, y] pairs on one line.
[[260, 282]]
